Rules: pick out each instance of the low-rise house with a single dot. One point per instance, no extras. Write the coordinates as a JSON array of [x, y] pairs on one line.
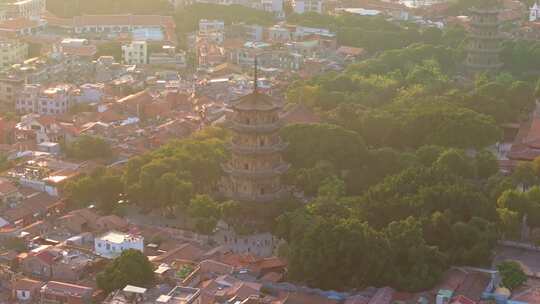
[[44, 128], [53, 263], [26, 290], [113, 243], [78, 221], [187, 251], [181, 295], [9, 194], [31, 208], [59, 293], [226, 288], [168, 58], [38, 263]]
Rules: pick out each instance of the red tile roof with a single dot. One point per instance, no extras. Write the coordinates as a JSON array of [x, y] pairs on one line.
[[66, 288], [45, 256], [6, 187], [26, 284], [462, 300], [141, 97]]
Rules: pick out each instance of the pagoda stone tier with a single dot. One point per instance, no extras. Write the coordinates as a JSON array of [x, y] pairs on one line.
[[484, 41], [254, 172]]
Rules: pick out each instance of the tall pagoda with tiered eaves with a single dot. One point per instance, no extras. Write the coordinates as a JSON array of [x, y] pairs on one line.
[[484, 39], [254, 172]]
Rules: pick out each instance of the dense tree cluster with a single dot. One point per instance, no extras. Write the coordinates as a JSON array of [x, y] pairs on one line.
[[376, 33], [103, 189], [412, 97], [70, 8], [404, 231]]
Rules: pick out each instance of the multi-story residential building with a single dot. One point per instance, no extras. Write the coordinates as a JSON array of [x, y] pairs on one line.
[[45, 101], [9, 86], [273, 6], [306, 6], [135, 53], [113, 243], [534, 12], [31, 9], [11, 52]]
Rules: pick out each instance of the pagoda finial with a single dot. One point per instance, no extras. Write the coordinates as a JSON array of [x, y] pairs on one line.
[[255, 79]]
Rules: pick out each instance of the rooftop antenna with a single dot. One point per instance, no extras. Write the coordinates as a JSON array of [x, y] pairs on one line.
[[255, 76]]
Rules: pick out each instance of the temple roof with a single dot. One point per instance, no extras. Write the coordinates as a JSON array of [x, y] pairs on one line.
[[255, 101]]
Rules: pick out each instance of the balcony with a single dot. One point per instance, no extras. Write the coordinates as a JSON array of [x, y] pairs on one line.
[[249, 150], [484, 11], [258, 128], [485, 50], [482, 36], [479, 66], [256, 173], [485, 23], [261, 198]]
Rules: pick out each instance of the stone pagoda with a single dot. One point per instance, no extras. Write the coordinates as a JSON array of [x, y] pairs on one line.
[[254, 172], [484, 41]]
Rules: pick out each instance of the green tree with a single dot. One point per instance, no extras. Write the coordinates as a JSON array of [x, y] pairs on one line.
[[512, 274], [132, 267], [206, 213], [88, 147]]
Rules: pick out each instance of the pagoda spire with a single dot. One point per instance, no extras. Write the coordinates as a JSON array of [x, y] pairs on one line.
[[255, 78]]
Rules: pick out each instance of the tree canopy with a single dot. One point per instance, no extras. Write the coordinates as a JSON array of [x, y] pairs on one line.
[[88, 147], [132, 267]]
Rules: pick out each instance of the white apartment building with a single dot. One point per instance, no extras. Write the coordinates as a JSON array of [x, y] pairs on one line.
[[31, 9], [273, 6], [209, 26], [11, 52], [135, 53], [306, 6], [113, 243], [45, 101], [534, 13]]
